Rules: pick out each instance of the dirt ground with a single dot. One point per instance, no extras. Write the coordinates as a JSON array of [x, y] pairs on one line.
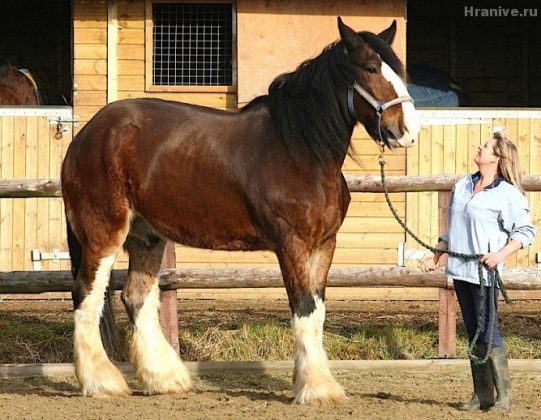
[[371, 396], [376, 395]]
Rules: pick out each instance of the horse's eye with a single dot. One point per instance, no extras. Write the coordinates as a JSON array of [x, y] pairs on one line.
[[371, 70]]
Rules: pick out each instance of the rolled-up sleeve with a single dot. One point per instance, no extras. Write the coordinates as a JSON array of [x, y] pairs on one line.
[[445, 235], [515, 220]]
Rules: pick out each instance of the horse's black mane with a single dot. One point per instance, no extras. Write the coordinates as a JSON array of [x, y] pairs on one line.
[[305, 104]]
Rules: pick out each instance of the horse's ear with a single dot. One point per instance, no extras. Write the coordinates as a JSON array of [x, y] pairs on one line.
[[348, 35], [388, 34]]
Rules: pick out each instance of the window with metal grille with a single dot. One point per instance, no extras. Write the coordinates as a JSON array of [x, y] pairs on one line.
[[192, 44]]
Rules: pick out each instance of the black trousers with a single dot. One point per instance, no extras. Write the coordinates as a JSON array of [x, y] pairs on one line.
[[468, 295]]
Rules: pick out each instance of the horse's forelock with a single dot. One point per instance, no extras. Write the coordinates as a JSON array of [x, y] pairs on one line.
[[385, 52]]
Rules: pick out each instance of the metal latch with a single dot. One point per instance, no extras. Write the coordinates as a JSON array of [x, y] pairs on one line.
[[55, 256]]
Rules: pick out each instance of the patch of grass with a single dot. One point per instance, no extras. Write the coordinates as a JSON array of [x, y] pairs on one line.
[[23, 342]]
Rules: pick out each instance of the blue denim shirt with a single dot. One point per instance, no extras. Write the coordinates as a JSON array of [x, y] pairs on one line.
[[484, 221]]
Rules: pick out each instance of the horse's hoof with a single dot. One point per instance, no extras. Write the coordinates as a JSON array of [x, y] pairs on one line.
[[320, 393], [102, 380], [171, 382]]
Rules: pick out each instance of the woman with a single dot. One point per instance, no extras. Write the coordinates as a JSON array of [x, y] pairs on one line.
[[488, 214]]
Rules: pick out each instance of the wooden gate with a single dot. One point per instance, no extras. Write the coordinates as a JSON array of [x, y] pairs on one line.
[[33, 143]]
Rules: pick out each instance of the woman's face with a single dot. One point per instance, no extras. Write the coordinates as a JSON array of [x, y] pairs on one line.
[[485, 154]]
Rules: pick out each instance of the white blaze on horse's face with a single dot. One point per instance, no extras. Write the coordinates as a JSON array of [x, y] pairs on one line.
[[411, 121]]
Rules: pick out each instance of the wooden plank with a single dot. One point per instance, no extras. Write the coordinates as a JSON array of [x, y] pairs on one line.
[[131, 83], [511, 126], [131, 67], [134, 21], [90, 36], [214, 100], [374, 209], [56, 211], [341, 256], [523, 146], [423, 229], [19, 168], [112, 56], [90, 67], [534, 198], [131, 36], [94, 22], [373, 224], [89, 52], [90, 98], [436, 167], [447, 324], [168, 302], [474, 140], [461, 149], [370, 163], [42, 231], [449, 149], [331, 293], [31, 213], [412, 200], [369, 240], [91, 83], [6, 206], [377, 197], [131, 52]]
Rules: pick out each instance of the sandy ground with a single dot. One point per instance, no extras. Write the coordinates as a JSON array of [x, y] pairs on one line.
[[377, 395], [371, 396]]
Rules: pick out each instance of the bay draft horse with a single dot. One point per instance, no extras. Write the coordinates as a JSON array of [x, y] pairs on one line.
[[267, 177], [17, 86]]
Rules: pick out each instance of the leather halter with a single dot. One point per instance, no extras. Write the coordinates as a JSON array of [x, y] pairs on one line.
[[379, 106]]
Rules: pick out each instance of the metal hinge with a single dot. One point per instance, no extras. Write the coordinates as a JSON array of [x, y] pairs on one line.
[[55, 256]]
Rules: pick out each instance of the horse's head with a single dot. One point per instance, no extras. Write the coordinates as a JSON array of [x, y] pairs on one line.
[[378, 97]]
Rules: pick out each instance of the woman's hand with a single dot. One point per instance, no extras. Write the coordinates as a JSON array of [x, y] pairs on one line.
[[492, 259], [429, 262]]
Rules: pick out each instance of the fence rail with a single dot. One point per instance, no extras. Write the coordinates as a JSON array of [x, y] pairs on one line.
[[31, 188], [30, 282]]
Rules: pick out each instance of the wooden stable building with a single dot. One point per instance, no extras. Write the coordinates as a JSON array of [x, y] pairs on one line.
[[97, 51]]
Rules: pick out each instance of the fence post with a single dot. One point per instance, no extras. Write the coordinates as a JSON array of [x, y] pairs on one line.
[[447, 301], [168, 301]]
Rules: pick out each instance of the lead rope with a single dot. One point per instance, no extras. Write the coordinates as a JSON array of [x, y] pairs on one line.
[[493, 274]]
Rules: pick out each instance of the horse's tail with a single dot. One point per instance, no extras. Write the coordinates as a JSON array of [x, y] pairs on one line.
[[108, 329]]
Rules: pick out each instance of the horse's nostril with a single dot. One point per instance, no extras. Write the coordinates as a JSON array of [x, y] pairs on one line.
[[413, 141]]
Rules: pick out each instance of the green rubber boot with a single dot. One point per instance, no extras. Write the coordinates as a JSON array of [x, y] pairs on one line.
[[500, 372], [483, 384]]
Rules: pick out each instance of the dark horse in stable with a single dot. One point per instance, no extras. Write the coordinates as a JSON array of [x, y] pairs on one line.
[[17, 86], [267, 177]]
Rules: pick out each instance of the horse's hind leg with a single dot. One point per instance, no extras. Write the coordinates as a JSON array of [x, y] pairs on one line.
[[95, 372], [157, 366], [305, 276]]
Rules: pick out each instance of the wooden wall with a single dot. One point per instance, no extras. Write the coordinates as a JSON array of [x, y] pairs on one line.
[[448, 145]]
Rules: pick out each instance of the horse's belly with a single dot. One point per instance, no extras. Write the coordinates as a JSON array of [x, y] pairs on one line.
[[210, 225]]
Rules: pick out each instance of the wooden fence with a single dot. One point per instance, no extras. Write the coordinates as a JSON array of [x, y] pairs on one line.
[[172, 279]]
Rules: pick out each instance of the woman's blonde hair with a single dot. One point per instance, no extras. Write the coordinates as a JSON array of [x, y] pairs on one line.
[[508, 166]]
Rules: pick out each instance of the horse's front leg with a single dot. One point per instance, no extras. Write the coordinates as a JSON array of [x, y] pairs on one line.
[[305, 276]]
